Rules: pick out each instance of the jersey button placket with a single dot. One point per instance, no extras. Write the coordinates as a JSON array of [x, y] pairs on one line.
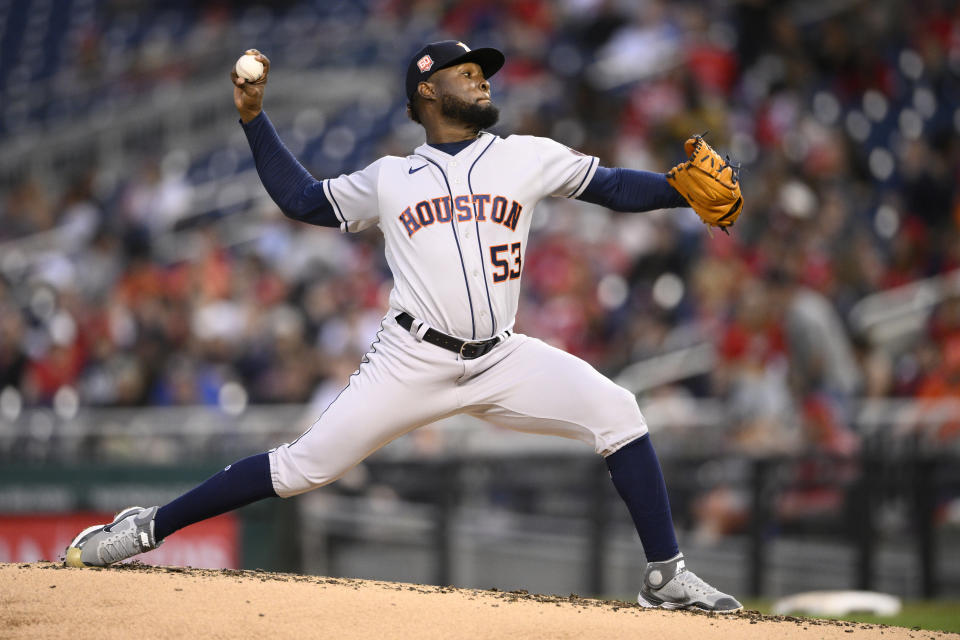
[[465, 231], [457, 177]]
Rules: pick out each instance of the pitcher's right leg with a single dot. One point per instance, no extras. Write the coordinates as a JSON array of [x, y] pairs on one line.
[[401, 385]]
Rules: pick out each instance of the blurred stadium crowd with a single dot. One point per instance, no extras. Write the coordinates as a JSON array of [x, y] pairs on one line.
[[844, 114]]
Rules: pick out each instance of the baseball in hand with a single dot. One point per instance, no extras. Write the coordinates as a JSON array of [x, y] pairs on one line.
[[249, 68]]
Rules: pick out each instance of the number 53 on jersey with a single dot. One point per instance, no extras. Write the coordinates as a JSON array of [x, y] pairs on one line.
[[506, 261]]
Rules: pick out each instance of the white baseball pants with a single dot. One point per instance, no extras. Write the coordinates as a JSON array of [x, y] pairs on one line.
[[523, 384]]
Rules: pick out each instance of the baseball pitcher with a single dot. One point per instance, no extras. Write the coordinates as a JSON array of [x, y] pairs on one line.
[[455, 215]]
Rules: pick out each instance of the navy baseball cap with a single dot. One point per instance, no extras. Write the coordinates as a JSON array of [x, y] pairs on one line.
[[446, 53]]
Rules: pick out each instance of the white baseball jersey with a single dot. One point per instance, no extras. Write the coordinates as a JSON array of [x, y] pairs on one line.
[[456, 229], [456, 226]]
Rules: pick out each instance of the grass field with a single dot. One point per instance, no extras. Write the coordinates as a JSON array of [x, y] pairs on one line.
[[936, 615]]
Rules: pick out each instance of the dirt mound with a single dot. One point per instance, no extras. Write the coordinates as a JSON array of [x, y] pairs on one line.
[[45, 600]]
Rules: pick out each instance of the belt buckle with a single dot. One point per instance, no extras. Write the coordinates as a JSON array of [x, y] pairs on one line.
[[482, 347], [463, 346]]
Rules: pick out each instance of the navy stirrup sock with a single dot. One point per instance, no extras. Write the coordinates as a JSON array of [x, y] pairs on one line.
[[237, 485], [636, 474], [634, 469]]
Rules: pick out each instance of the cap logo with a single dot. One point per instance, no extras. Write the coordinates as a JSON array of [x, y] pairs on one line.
[[465, 47], [425, 63]]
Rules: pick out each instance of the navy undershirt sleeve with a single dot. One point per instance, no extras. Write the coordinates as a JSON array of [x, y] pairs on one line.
[[629, 190], [298, 194]]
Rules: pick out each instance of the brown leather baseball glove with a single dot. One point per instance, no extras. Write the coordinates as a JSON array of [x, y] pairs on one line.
[[710, 184]]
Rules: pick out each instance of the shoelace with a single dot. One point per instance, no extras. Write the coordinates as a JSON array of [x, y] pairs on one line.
[[692, 581], [113, 549], [121, 545]]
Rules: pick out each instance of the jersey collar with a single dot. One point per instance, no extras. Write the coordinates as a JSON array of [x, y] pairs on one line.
[[468, 153], [452, 148]]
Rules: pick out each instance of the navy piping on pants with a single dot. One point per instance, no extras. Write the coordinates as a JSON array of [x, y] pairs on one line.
[[363, 361]]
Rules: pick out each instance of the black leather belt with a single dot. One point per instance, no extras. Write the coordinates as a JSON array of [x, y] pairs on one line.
[[467, 350]]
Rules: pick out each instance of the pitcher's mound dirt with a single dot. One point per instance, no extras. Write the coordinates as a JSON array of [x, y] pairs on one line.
[[45, 600]]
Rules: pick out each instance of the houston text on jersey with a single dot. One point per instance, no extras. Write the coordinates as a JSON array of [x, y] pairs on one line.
[[426, 212]]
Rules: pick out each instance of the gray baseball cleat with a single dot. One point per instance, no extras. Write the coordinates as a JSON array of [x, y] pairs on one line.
[[669, 585], [130, 533]]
